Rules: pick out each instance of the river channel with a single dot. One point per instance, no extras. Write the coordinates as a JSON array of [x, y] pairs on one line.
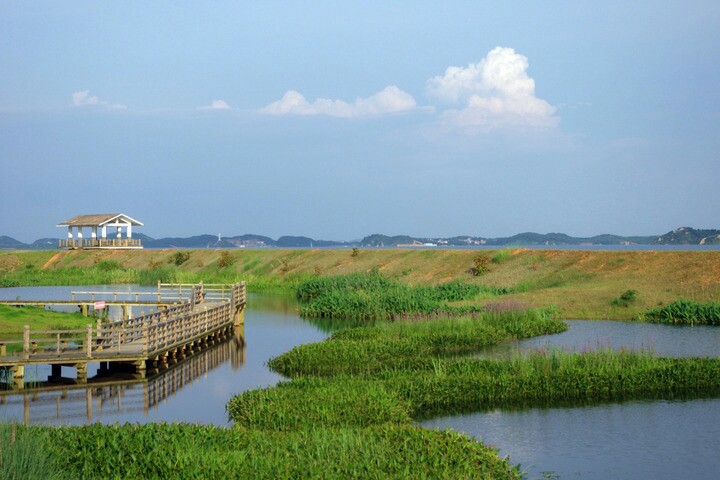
[[636, 439]]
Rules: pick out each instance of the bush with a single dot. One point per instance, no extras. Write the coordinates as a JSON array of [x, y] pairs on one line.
[[624, 300], [480, 265], [109, 265], [226, 259], [178, 258]]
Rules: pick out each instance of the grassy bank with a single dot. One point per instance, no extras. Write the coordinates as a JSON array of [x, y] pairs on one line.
[[581, 284], [12, 319]]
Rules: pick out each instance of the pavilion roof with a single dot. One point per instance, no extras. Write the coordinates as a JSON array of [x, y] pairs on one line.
[[98, 220]]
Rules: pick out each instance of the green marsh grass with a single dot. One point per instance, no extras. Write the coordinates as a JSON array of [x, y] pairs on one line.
[[179, 451], [405, 343], [371, 296], [25, 454], [684, 312]]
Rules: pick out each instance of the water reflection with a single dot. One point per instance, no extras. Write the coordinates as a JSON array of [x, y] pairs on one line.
[[195, 390], [113, 392], [662, 340]]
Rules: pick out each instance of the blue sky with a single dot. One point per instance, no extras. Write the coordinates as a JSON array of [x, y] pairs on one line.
[[336, 120]]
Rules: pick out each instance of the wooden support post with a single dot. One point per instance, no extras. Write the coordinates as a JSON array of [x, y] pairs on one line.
[[26, 410], [26, 342], [239, 316], [19, 376], [98, 336], [84, 309], [3, 350], [140, 368], [145, 336], [88, 403], [88, 341], [81, 372]]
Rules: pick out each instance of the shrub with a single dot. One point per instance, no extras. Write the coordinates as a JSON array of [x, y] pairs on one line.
[[625, 299], [480, 265], [226, 259], [178, 258], [109, 265]]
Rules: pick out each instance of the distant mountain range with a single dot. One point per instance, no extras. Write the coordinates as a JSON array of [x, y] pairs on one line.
[[680, 236]]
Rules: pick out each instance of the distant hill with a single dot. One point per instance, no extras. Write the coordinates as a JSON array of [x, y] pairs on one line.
[[689, 236], [9, 242], [680, 236]]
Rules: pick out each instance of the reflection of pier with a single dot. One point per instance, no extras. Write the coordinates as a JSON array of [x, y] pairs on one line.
[[148, 343], [111, 391]]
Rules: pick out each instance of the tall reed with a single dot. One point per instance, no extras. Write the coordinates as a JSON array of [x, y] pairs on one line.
[[685, 312]]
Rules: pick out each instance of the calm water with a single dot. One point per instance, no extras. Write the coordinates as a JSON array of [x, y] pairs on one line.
[[658, 439], [640, 439]]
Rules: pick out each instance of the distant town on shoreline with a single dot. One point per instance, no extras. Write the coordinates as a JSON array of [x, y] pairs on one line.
[[679, 236]]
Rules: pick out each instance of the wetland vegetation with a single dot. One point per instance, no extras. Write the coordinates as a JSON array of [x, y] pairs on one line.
[[350, 406]]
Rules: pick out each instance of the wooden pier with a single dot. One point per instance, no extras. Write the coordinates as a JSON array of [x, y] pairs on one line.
[[200, 316], [110, 393]]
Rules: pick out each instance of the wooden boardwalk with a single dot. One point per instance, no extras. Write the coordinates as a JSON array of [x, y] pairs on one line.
[[107, 394], [151, 341]]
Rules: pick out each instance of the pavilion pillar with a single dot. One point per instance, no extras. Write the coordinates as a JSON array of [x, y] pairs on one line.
[[103, 232], [70, 232], [129, 230]]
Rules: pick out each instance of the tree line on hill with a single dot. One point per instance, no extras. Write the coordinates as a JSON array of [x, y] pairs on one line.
[[679, 236]]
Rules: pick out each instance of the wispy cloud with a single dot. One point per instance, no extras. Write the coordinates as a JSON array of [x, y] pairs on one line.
[[389, 100], [495, 92], [217, 105], [83, 98]]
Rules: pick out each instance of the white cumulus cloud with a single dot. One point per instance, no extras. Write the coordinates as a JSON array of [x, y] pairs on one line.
[[83, 98], [217, 105], [389, 100], [495, 92]]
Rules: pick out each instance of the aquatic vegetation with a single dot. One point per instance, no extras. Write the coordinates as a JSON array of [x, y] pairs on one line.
[[173, 451], [408, 344], [685, 312], [371, 296], [21, 457]]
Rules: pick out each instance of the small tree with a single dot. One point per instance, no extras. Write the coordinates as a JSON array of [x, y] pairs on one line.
[[179, 258], [480, 263], [226, 259]]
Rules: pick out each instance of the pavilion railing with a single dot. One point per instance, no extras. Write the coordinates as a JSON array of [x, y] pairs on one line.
[[101, 243]]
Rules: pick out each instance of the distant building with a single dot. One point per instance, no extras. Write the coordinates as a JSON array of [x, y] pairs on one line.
[[100, 222]]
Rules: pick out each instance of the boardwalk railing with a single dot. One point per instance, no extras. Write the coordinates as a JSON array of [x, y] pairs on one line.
[[206, 310], [101, 243]]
